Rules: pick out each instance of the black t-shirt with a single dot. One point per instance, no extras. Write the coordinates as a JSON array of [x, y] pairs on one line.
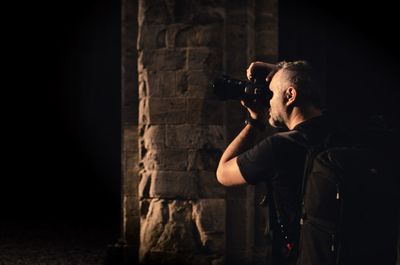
[[280, 161]]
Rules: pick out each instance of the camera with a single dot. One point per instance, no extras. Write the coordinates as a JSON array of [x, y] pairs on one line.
[[226, 87]]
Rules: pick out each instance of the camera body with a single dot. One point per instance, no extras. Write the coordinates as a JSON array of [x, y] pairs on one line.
[[226, 88]]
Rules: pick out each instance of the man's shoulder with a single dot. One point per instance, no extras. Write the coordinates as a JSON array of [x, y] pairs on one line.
[[289, 138]]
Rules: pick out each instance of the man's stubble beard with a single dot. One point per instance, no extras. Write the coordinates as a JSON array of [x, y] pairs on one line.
[[275, 122]]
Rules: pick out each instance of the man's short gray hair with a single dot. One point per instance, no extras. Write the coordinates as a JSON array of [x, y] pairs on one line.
[[302, 76]]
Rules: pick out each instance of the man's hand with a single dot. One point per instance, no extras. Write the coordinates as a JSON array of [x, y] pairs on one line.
[[257, 67], [257, 110]]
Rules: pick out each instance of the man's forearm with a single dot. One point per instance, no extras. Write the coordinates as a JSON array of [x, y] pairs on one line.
[[243, 141]]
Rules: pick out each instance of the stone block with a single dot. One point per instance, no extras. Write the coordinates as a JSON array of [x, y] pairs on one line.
[[202, 111], [209, 216], [205, 158], [209, 187], [152, 225], [131, 173], [172, 31], [148, 161], [206, 59], [174, 159], [168, 235], [142, 89], [178, 233], [210, 35], [167, 110], [173, 184], [162, 111], [153, 12], [131, 206], [130, 137], [143, 111], [208, 12], [181, 85], [172, 12], [192, 136], [154, 137], [166, 159], [199, 85], [152, 37], [144, 184], [159, 83], [162, 59]]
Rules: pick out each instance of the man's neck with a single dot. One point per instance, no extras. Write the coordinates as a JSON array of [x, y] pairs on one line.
[[298, 116]]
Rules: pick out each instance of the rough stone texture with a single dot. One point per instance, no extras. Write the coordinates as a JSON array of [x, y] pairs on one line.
[[201, 111], [205, 158], [193, 136], [173, 185], [209, 187], [185, 215], [153, 136], [199, 85], [162, 59], [162, 111], [182, 232], [181, 131], [197, 36], [209, 215], [166, 159]]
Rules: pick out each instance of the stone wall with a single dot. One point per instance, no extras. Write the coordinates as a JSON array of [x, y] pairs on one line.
[[185, 216], [181, 129]]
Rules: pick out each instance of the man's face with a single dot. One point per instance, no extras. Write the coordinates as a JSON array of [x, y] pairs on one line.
[[277, 111]]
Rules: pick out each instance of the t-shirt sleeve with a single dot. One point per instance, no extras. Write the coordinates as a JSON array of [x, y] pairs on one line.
[[257, 164]]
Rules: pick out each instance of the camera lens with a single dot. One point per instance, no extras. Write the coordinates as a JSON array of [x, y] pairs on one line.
[[226, 88]]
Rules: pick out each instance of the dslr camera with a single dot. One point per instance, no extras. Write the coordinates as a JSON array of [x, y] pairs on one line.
[[226, 87]]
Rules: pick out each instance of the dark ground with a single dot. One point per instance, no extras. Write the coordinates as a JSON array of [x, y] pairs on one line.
[[54, 244]]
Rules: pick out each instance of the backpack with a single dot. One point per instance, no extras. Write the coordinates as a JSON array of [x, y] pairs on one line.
[[350, 204]]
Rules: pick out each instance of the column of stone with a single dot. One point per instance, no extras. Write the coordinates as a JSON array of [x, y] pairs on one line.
[[182, 207], [129, 157]]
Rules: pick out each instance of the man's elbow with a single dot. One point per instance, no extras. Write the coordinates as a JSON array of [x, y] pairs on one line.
[[228, 173], [221, 176]]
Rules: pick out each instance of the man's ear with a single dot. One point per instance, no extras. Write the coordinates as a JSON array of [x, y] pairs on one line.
[[290, 95]]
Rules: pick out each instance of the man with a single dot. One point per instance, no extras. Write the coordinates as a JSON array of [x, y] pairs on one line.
[[276, 160]]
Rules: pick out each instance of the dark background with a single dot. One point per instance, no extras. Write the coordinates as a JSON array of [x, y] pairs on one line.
[[354, 47], [62, 114], [61, 95]]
